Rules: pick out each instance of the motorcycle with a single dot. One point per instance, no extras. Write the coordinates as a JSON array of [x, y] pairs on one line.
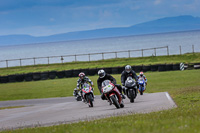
[[88, 95], [77, 94], [130, 89], [112, 94], [142, 85]]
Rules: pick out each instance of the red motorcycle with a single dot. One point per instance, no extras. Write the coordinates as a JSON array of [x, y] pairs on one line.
[[112, 94], [88, 96]]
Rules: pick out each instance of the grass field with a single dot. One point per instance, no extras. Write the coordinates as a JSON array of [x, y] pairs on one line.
[[186, 58], [157, 82], [183, 86]]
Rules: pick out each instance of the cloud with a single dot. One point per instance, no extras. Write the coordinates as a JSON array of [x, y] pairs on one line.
[[157, 2], [51, 19]]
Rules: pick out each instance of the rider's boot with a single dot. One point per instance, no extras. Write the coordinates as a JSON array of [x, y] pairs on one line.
[[123, 96]]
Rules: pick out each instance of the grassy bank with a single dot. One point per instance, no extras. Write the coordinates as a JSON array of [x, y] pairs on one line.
[[186, 58], [183, 86], [157, 82]]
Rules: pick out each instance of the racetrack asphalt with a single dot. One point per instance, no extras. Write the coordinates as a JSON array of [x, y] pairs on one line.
[[54, 111]]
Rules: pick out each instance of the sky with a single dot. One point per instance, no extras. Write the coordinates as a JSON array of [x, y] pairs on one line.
[[49, 17]]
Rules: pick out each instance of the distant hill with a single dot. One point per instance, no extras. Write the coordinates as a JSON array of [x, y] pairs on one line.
[[169, 24]]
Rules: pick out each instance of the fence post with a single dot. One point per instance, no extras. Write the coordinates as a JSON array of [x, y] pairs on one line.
[[180, 50], [20, 62], [193, 49], [115, 54], [155, 51], [168, 50], [7, 63], [102, 56], [129, 55], [89, 56], [34, 60], [142, 52], [75, 57], [62, 59], [48, 60]]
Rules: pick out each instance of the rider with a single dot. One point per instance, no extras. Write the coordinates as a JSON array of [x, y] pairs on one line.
[[82, 79], [141, 75], [104, 76], [128, 72]]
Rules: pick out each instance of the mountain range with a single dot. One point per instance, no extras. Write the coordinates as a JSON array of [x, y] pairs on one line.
[[163, 25]]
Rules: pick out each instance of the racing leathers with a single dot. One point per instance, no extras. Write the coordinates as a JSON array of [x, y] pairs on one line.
[[107, 77], [125, 75], [80, 83]]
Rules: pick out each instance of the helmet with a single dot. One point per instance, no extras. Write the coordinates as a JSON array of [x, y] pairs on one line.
[[81, 75], [141, 73], [101, 73], [128, 68]]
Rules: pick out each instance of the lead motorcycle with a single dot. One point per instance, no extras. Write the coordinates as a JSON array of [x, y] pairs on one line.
[[142, 85], [112, 94], [130, 89]]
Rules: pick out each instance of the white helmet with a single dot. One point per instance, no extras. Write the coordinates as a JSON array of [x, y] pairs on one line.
[[128, 68], [101, 73]]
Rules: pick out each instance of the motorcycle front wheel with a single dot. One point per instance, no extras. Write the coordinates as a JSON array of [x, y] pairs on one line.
[[89, 100], [131, 95], [114, 101]]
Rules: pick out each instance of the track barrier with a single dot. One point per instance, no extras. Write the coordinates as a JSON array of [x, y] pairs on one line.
[[91, 71]]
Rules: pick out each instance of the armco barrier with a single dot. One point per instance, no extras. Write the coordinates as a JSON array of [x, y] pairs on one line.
[[52, 74], [28, 77], [36, 76], [44, 75], [60, 74]]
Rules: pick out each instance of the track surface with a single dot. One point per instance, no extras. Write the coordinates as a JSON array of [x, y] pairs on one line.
[[53, 111]]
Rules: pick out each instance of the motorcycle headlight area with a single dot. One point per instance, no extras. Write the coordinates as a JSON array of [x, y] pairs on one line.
[[107, 88], [141, 82]]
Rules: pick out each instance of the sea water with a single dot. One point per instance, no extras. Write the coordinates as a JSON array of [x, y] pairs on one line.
[[186, 40]]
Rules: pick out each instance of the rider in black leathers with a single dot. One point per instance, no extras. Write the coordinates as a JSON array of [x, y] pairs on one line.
[[128, 72], [104, 76]]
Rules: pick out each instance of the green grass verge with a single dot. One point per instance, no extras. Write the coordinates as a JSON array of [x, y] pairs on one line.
[[183, 86], [157, 82], [186, 58]]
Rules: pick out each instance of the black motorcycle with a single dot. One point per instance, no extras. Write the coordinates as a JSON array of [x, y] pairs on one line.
[[130, 89]]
